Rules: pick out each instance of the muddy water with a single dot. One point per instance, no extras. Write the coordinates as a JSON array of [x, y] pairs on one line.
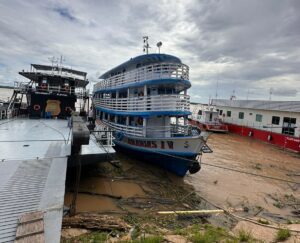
[[139, 187]]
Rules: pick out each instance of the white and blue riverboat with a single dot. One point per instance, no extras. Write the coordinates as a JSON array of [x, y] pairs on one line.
[[145, 101]]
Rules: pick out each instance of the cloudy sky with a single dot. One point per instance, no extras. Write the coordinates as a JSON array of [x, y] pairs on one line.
[[246, 47]]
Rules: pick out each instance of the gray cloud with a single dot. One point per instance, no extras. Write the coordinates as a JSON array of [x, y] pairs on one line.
[[245, 46]]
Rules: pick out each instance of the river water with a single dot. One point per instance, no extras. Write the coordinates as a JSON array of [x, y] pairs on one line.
[[5, 94]]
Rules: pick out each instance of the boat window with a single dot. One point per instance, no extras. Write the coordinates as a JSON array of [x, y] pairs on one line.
[[258, 117], [221, 112], [241, 115], [289, 125], [228, 114], [200, 112], [275, 120]]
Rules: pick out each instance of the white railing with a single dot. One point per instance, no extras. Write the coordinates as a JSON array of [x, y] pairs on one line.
[[164, 131], [146, 103], [150, 72], [130, 130], [25, 87]]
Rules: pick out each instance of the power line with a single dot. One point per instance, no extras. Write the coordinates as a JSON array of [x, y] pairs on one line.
[[231, 169]]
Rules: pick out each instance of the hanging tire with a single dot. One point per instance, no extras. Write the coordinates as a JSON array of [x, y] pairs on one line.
[[195, 167]]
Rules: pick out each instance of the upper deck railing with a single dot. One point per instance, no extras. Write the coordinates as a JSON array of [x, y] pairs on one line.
[[150, 72], [175, 102], [25, 87]]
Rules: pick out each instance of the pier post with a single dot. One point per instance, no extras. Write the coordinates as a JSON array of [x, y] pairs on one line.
[[80, 136]]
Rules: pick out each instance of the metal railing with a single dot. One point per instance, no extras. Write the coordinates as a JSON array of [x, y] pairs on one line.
[[150, 72], [130, 130], [25, 87], [162, 131], [146, 103]]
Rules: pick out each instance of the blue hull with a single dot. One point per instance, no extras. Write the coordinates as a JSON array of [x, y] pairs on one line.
[[177, 165]]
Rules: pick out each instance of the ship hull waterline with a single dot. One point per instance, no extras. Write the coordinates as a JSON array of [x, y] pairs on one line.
[[176, 162]]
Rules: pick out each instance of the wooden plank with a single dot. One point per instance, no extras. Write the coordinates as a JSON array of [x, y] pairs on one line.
[[30, 228], [38, 238], [33, 216]]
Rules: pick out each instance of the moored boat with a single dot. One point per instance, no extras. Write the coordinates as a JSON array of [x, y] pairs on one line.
[[274, 122], [206, 117], [145, 101]]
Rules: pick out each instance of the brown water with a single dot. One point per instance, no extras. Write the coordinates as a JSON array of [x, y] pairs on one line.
[[139, 187]]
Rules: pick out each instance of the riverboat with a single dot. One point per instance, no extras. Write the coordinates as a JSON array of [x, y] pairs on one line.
[[144, 100], [51, 92], [274, 122], [206, 117]]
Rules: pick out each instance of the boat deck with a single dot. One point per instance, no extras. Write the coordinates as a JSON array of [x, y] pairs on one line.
[[33, 163]]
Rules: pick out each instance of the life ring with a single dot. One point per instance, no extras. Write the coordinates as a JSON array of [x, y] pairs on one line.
[[68, 109], [67, 88], [36, 107]]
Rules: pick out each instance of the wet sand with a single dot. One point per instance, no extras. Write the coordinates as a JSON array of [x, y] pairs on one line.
[[225, 188]]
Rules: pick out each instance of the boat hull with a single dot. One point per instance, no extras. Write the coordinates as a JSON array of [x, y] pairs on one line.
[[277, 139], [210, 127], [176, 161]]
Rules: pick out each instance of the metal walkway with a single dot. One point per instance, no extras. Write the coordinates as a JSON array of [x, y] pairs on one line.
[[33, 163]]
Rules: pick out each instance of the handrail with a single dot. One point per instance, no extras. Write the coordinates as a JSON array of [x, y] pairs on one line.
[[149, 72], [25, 87], [172, 130], [178, 102]]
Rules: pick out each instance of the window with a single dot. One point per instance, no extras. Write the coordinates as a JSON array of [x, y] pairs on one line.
[[241, 115], [200, 112], [228, 113], [221, 112], [275, 120], [258, 117], [289, 125]]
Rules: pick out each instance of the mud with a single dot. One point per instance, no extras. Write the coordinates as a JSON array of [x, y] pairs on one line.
[[270, 198]]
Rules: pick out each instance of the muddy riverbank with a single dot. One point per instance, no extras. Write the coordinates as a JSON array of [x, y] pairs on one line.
[[136, 191]]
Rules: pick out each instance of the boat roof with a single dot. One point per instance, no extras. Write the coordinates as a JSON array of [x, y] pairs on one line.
[[64, 69], [288, 106], [38, 71], [142, 60]]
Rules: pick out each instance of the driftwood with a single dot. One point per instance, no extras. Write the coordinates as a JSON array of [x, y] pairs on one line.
[[95, 222]]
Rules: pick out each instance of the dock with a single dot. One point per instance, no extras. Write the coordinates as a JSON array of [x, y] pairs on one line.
[[33, 164]]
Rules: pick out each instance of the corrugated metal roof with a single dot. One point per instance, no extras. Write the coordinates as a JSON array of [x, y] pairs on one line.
[[289, 106]]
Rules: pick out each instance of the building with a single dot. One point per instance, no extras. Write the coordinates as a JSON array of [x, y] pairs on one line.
[[276, 122]]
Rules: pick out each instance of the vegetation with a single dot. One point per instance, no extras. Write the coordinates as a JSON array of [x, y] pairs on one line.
[[245, 236], [283, 234]]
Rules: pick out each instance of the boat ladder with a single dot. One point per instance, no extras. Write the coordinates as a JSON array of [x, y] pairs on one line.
[[206, 149]]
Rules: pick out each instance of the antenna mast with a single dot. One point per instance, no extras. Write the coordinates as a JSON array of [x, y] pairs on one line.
[[146, 44]]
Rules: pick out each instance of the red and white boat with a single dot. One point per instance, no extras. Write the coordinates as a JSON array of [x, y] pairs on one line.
[[274, 122], [206, 117]]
